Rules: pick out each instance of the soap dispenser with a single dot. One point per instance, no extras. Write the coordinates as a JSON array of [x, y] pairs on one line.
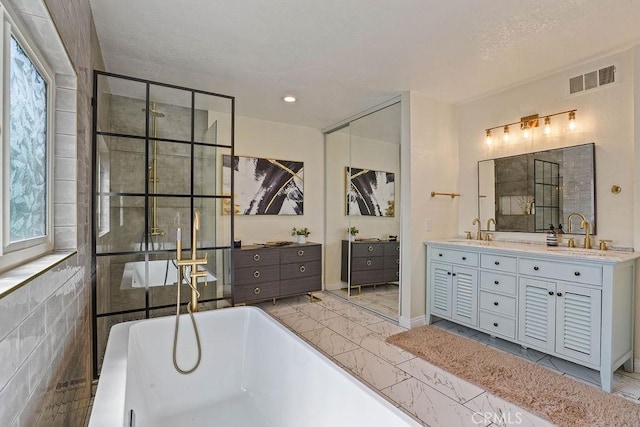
[[552, 237]]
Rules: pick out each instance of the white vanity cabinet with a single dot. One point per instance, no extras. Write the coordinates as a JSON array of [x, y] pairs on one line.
[[455, 285], [573, 305]]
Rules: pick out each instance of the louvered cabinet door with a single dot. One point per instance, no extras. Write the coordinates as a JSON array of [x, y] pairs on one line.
[[465, 295], [440, 290], [536, 313], [578, 311]]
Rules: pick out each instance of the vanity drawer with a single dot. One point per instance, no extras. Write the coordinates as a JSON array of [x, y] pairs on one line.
[[499, 283], [300, 253], [258, 292], [454, 256], [255, 257], [495, 324], [300, 269], [587, 274], [365, 264], [300, 286], [391, 262], [367, 249], [252, 275], [498, 303], [508, 264], [392, 249]]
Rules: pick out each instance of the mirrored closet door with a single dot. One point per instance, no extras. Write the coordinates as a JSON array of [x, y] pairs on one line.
[[362, 219]]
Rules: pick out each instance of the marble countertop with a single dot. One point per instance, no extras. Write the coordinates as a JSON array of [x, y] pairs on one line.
[[538, 248]]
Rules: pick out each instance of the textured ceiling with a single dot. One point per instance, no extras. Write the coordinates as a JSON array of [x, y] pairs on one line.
[[342, 56]]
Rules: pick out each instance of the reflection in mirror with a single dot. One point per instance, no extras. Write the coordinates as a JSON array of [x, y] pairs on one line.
[[530, 192], [364, 267]]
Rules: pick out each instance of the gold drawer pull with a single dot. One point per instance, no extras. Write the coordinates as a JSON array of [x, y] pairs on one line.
[[398, 261], [256, 274], [398, 248], [300, 252], [256, 257], [397, 274], [368, 262], [256, 291], [302, 269], [370, 248]]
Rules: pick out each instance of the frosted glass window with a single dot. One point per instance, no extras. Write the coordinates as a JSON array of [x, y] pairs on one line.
[[27, 148]]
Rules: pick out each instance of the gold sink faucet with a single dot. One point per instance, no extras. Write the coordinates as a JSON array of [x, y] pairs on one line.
[[479, 233], [489, 221], [192, 262], [584, 225]]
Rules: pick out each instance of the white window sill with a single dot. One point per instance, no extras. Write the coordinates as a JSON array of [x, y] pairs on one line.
[[19, 276]]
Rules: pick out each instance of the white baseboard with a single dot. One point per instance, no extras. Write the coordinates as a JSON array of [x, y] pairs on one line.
[[409, 323]]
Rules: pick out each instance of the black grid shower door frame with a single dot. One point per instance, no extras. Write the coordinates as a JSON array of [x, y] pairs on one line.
[[94, 185]]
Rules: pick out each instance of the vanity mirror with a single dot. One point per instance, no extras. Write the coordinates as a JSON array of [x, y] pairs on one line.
[[528, 192]]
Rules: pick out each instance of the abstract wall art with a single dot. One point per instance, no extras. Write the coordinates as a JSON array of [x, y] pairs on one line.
[[370, 192], [264, 186]]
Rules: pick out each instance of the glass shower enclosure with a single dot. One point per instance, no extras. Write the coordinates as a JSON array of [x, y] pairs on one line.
[[157, 159]]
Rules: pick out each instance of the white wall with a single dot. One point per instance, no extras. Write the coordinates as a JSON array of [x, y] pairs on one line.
[[261, 138], [604, 116], [429, 162]]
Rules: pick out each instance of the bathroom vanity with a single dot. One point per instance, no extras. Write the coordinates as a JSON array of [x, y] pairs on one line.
[[574, 304]]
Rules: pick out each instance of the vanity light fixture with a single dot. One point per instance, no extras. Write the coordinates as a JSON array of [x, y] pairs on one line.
[[528, 123], [289, 99], [572, 120], [547, 125], [488, 138]]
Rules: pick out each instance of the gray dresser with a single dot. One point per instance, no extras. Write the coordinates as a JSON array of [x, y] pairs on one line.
[[372, 262], [262, 273]]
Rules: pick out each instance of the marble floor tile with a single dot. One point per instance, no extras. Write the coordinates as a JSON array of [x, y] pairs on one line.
[[317, 312], [457, 329], [430, 406], [515, 349], [347, 328], [299, 322], [571, 369], [328, 341], [359, 316], [372, 369], [386, 328], [334, 303], [451, 386], [503, 413], [376, 344]]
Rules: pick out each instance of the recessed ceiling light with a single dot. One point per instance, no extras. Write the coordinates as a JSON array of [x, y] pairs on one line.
[[289, 98]]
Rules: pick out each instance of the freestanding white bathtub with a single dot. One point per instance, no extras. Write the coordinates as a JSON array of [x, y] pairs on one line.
[[254, 372]]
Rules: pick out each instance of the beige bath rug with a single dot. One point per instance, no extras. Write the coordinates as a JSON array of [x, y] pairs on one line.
[[559, 399]]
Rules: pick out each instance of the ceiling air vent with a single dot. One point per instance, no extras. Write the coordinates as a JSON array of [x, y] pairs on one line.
[[592, 79]]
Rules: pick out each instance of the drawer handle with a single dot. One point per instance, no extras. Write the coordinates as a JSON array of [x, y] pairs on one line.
[[495, 303], [439, 254], [559, 294], [256, 274], [398, 248], [464, 258], [551, 293], [397, 274], [302, 269], [448, 273], [398, 261], [495, 324], [536, 268], [370, 248], [256, 291], [453, 274], [300, 252], [497, 263], [256, 257], [496, 282], [368, 263], [577, 273]]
